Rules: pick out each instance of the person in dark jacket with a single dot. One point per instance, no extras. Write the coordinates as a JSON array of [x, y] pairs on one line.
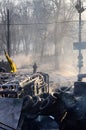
[[34, 68]]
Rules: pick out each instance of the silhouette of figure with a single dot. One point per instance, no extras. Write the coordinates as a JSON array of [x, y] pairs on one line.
[[34, 68]]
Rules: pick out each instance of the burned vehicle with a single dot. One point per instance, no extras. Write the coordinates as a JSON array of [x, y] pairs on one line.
[[26, 103]]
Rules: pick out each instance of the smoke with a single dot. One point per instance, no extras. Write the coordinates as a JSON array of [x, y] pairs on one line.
[[65, 76], [23, 61]]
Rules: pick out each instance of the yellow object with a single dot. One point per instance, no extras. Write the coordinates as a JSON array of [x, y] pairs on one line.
[[65, 114], [12, 64]]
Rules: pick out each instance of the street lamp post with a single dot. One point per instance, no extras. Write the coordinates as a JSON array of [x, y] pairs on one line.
[[80, 9]]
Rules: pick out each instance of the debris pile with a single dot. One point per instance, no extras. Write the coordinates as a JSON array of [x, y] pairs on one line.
[[26, 104]]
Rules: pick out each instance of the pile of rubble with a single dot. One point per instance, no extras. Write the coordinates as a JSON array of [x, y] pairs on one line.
[[26, 104]]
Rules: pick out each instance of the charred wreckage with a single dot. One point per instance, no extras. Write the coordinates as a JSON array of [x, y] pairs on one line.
[[26, 104]]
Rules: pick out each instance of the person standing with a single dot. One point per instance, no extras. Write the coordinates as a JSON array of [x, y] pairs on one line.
[[35, 68]]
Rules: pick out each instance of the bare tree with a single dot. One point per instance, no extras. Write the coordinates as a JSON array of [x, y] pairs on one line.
[[63, 12], [37, 25]]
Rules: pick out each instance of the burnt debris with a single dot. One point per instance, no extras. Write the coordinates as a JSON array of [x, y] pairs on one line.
[[26, 103]]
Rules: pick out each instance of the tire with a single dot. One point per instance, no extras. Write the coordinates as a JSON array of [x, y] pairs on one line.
[[55, 95], [44, 95], [79, 88], [44, 104], [36, 101], [27, 104]]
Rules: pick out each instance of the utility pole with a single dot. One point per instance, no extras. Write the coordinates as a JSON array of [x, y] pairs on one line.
[[79, 45], [8, 30], [8, 34]]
